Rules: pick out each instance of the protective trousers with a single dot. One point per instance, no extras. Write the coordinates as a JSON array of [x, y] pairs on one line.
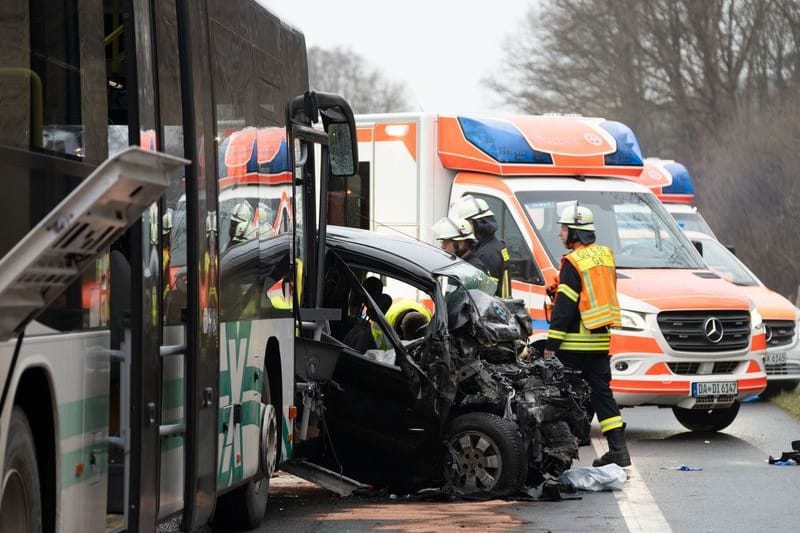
[[595, 368]]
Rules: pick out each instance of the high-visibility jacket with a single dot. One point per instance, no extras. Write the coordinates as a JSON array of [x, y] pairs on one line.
[[586, 302], [597, 301]]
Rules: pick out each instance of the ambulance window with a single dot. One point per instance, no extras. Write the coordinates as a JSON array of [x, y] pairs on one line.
[[522, 267]]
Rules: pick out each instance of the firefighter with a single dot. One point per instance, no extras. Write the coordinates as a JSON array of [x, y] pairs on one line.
[[456, 237], [403, 307], [242, 227], [585, 308], [491, 250]]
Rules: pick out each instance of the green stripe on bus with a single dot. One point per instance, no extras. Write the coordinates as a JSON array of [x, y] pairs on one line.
[[82, 416], [172, 393], [287, 444], [251, 413], [94, 461], [251, 381], [171, 443]]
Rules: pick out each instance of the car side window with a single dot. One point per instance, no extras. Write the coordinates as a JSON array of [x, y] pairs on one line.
[[405, 307], [522, 266]]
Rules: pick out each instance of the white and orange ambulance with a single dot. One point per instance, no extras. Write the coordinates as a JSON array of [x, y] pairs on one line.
[[672, 184], [689, 339]]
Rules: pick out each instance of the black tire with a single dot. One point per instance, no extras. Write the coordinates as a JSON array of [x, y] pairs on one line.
[[244, 507], [485, 455], [707, 420], [21, 507], [774, 388]]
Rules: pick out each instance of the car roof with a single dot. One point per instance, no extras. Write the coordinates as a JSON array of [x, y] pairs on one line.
[[400, 253]]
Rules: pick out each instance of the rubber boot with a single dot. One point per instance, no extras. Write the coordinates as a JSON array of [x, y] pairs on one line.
[[617, 450]]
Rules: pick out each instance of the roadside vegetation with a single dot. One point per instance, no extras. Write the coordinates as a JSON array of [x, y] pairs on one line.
[[790, 401]]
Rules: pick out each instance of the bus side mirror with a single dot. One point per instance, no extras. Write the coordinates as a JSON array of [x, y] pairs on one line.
[[699, 246], [339, 125], [343, 150]]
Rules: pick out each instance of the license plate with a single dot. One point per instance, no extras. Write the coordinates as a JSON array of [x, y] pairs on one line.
[[775, 358], [714, 388]]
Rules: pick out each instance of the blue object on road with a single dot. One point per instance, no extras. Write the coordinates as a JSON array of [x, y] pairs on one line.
[[787, 462], [683, 468], [752, 399]]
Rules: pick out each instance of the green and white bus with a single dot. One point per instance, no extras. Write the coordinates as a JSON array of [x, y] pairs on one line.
[[150, 380]]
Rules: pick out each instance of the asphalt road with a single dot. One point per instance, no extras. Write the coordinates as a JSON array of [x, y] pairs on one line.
[[736, 490]]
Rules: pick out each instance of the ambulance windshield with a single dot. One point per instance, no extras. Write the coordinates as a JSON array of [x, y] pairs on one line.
[[692, 221], [635, 226]]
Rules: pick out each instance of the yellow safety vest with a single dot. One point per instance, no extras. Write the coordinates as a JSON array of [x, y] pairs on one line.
[[597, 301]]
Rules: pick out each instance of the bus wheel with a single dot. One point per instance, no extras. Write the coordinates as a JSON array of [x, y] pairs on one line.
[[244, 508], [708, 420], [21, 507]]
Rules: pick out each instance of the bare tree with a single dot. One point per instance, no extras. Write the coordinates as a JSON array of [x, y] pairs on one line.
[[675, 70], [342, 71]]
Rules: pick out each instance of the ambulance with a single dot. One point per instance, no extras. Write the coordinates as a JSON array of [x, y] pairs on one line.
[[689, 340], [672, 184]]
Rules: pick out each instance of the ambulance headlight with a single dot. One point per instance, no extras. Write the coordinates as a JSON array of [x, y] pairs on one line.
[[633, 321], [756, 321]]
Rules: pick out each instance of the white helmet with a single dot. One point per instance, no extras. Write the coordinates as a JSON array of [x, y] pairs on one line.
[[577, 217], [242, 223], [470, 207], [455, 230]]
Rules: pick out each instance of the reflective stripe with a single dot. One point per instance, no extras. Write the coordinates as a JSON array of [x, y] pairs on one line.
[[556, 334], [568, 291], [614, 422], [588, 337], [585, 346]]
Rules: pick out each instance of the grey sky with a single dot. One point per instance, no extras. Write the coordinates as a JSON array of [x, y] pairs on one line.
[[440, 48]]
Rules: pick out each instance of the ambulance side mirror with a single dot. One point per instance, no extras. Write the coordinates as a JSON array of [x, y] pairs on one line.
[[699, 246], [731, 248]]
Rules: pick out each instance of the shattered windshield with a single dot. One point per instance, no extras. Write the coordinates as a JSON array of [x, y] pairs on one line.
[[468, 277], [634, 225]]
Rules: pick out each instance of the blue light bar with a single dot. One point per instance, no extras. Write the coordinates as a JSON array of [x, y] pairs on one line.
[[280, 163], [501, 141], [628, 151], [681, 180]]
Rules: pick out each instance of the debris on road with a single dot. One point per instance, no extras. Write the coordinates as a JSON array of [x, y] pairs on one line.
[[595, 478], [787, 458]]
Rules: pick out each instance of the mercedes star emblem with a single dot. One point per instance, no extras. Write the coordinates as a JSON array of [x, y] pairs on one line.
[[712, 327]]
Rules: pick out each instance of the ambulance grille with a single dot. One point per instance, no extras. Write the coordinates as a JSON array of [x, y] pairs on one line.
[[684, 330], [691, 368], [711, 402], [779, 332]]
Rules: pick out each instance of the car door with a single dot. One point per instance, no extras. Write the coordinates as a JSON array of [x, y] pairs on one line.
[[376, 429]]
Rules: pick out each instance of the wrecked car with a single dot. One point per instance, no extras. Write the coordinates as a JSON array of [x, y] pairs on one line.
[[459, 401]]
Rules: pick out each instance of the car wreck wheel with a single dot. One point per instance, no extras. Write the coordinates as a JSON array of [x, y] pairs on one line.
[[485, 455]]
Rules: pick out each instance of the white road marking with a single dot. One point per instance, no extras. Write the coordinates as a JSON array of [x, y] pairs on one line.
[[636, 504]]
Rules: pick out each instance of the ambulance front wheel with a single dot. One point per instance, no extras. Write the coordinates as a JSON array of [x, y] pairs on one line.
[[706, 420], [21, 507]]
